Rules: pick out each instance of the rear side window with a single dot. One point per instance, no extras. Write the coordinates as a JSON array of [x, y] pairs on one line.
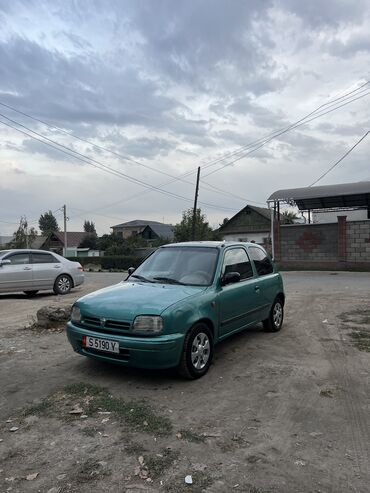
[[261, 261], [19, 258], [43, 258], [236, 260]]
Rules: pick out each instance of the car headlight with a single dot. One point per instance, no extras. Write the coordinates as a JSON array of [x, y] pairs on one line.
[[76, 314], [148, 324]]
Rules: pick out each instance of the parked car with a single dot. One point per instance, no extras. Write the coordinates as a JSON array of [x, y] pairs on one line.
[[181, 301], [34, 270]]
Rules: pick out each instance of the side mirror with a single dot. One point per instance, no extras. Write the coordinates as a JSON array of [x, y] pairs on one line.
[[4, 262], [131, 270], [230, 278]]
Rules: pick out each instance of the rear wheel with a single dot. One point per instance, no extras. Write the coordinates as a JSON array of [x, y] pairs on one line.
[[197, 353], [275, 320], [31, 293], [63, 284]]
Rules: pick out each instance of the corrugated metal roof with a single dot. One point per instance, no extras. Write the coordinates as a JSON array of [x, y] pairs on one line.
[[328, 196]]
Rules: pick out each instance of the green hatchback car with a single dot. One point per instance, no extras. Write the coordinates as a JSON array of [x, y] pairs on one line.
[[182, 300]]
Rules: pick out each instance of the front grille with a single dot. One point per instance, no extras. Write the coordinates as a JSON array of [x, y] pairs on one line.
[[115, 327], [92, 321], [114, 324]]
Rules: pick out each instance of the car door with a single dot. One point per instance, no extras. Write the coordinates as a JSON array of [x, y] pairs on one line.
[[267, 279], [46, 268], [238, 302], [16, 275]]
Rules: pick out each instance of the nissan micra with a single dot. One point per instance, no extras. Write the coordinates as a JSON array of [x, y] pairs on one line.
[[182, 300]]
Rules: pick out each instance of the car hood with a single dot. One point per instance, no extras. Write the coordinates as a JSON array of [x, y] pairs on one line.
[[126, 300]]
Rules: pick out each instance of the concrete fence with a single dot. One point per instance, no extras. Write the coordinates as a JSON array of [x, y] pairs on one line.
[[324, 246]]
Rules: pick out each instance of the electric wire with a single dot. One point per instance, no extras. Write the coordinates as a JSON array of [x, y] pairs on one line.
[[341, 159]]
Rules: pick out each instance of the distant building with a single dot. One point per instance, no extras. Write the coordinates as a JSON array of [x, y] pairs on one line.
[[148, 230], [359, 214], [250, 224]]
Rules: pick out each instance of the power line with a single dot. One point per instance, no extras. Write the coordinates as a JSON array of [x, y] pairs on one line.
[[262, 141], [285, 131], [126, 158], [211, 163], [97, 164], [341, 159]]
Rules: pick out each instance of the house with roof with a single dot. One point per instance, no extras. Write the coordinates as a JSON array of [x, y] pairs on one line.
[[148, 230], [55, 242], [250, 224]]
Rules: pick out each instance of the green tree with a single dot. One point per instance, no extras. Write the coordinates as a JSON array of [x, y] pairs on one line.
[[23, 237], [89, 227], [48, 223], [203, 231], [288, 217]]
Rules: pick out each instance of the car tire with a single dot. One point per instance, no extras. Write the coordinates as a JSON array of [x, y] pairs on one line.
[[63, 284], [275, 320], [197, 352], [31, 293]]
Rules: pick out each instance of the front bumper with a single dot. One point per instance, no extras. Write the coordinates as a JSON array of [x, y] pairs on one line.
[[140, 352]]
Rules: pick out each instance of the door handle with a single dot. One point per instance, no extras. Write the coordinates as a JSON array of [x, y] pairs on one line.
[[56, 266], [27, 268], [256, 288]]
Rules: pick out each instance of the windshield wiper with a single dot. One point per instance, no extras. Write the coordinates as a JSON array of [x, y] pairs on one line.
[[141, 278], [169, 280]]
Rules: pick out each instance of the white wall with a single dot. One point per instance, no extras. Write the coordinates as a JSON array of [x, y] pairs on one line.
[[332, 217], [256, 237]]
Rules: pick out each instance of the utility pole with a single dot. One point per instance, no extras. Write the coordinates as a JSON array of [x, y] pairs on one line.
[[195, 205], [65, 231]]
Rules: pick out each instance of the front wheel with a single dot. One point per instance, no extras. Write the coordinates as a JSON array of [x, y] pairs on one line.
[[197, 353], [276, 317], [63, 284]]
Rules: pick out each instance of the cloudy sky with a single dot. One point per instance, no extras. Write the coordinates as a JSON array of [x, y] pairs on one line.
[[168, 86]]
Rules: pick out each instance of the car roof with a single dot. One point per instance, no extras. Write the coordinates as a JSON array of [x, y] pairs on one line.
[[208, 244], [26, 250]]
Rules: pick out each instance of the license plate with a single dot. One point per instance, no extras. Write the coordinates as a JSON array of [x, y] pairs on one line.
[[100, 344]]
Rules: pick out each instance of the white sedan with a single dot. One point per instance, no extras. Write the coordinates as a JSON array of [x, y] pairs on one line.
[[34, 270]]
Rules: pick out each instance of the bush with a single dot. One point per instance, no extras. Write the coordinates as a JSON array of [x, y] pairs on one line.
[[110, 262]]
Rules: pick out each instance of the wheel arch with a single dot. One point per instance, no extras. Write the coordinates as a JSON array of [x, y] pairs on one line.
[[281, 296], [209, 323]]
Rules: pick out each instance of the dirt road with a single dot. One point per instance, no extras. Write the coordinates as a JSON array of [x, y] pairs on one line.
[[285, 412]]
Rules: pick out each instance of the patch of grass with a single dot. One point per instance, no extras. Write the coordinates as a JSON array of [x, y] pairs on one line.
[[82, 389], [41, 409], [158, 464], [91, 431], [92, 400], [191, 436], [89, 470], [327, 393], [135, 448], [361, 340], [359, 316], [201, 481]]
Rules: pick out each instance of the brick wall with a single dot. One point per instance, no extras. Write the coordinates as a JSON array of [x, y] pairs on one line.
[[358, 241], [335, 245]]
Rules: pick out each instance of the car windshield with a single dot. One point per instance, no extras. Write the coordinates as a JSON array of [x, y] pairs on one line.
[[3, 252], [193, 266]]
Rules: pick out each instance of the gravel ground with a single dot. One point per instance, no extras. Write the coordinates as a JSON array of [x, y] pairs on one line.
[[285, 412]]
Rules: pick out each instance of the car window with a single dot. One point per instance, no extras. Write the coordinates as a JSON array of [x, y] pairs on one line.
[[184, 265], [43, 258], [236, 260], [19, 258], [261, 261]]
